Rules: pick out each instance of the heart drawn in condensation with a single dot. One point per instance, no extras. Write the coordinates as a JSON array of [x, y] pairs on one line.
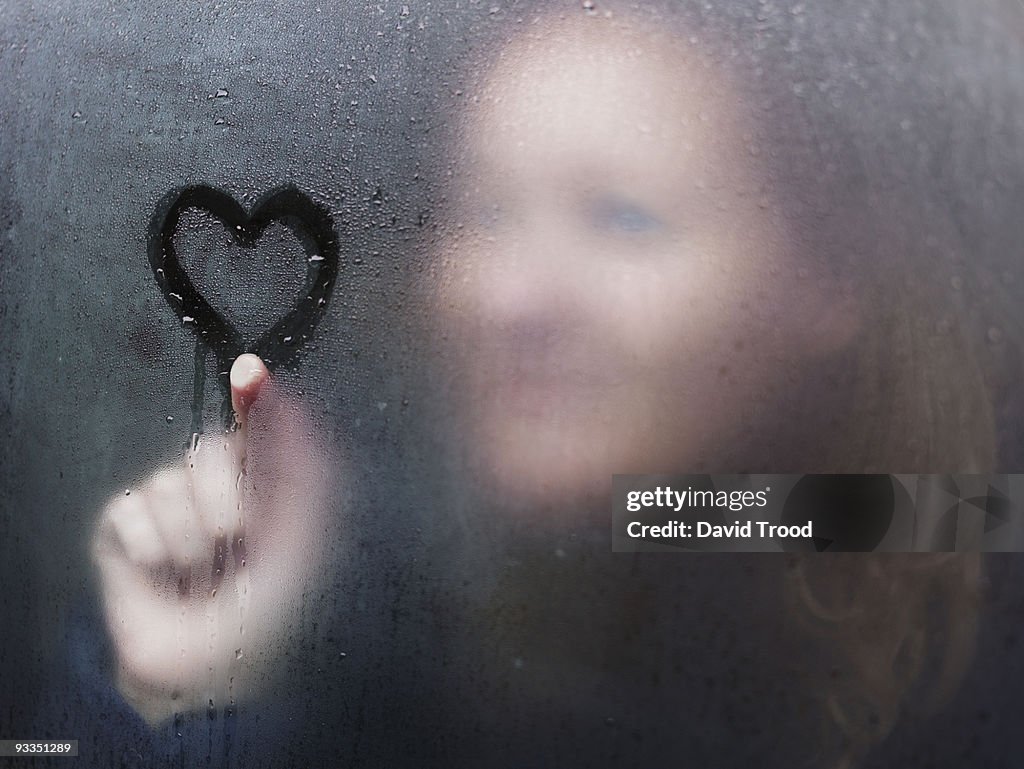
[[310, 222]]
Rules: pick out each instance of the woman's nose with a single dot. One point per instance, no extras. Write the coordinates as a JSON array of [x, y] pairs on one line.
[[530, 272]]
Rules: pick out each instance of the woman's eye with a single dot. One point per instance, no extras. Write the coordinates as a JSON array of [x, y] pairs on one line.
[[615, 215]]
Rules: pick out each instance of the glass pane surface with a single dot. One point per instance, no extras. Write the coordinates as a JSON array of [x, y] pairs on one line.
[[493, 254]]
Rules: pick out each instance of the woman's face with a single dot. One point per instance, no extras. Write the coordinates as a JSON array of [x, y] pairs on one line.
[[617, 288]]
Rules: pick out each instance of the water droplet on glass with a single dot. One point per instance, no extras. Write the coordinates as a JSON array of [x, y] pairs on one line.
[[76, 115], [127, 492], [316, 258], [219, 121], [169, 419], [238, 654], [221, 93]]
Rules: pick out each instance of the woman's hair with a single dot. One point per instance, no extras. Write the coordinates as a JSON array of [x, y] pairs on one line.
[[897, 628], [889, 139], [876, 144]]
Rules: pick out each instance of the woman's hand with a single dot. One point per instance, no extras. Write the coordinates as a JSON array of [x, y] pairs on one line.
[[202, 567]]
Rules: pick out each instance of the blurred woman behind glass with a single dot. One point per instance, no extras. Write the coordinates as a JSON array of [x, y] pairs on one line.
[[674, 250]]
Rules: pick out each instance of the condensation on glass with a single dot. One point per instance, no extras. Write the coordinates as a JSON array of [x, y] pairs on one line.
[[572, 240]]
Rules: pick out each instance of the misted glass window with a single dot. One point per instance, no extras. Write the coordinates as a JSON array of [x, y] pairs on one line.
[[325, 327]]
